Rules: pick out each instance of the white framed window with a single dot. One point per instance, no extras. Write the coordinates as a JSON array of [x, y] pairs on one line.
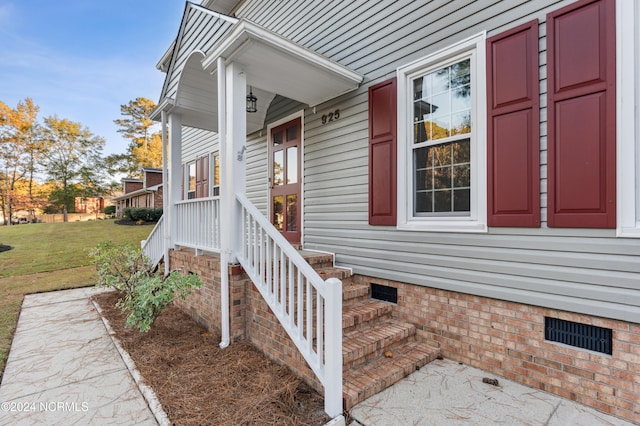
[[215, 173], [191, 180], [442, 140]]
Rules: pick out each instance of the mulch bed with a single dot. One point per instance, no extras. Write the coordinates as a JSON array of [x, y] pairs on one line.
[[199, 383]]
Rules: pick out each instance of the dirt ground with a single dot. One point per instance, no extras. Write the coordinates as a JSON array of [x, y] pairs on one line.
[[200, 384]]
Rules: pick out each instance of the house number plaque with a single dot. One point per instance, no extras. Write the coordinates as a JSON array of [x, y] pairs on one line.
[[331, 116]]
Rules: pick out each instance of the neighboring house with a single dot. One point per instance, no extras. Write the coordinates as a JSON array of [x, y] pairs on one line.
[[140, 193], [470, 165], [89, 205]]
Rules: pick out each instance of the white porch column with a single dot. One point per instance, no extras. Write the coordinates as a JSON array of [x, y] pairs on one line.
[[236, 127], [175, 177], [225, 200], [165, 193], [232, 132]]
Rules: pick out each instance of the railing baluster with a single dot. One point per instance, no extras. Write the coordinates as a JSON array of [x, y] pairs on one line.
[[286, 285], [300, 307], [268, 262], [309, 316], [319, 327]]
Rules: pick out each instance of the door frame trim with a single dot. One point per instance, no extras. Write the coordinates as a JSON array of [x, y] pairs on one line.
[[298, 114]]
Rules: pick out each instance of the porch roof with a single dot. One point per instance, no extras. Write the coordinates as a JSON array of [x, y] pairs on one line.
[[280, 66], [273, 65]]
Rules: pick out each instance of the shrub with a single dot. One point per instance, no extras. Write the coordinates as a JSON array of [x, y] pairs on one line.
[[109, 210], [145, 293], [145, 214]]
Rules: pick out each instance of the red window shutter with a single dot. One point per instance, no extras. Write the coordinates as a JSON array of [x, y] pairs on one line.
[[202, 177], [513, 143], [581, 115], [382, 153]]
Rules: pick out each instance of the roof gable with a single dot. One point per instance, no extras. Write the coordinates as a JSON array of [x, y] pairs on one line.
[[200, 29]]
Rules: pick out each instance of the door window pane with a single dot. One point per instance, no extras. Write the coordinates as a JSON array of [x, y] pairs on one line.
[[292, 212], [292, 164], [278, 218], [292, 133], [277, 138], [278, 168]]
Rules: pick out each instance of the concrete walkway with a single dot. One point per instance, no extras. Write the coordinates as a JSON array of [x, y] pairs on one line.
[[447, 393], [63, 368]]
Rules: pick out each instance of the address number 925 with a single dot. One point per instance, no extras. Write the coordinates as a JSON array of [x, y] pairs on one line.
[[331, 116]]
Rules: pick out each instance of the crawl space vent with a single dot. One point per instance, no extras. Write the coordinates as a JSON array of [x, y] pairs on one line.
[[583, 336], [383, 292]]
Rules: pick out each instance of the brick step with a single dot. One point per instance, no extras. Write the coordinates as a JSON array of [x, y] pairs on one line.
[[333, 272], [359, 314], [368, 343], [364, 381], [318, 260], [352, 292]]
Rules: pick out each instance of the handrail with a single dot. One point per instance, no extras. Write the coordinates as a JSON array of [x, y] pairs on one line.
[[153, 246], [309, 308]]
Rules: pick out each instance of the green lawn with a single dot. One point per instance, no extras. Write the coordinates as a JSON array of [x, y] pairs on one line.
[[50, 256]]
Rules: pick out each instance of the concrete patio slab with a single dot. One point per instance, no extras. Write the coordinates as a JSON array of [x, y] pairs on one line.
[[63, 367], [447, 393]]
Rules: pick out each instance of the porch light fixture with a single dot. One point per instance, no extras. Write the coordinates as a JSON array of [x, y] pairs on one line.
[[252, 101]]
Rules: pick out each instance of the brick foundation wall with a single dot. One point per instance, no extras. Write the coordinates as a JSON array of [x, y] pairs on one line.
[[203, 305], [507, 339], [251, 319]]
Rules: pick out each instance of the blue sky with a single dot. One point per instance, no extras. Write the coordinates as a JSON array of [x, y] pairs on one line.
[[82, 59]]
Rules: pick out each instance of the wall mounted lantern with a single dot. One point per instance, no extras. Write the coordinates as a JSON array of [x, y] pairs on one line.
[[252, 101]]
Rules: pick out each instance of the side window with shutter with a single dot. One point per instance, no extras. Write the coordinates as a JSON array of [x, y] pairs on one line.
[[513, 131], [581, 115], [382, 153]]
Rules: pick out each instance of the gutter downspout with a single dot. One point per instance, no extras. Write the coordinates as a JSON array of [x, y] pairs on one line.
[[227, 199], [165, 199]]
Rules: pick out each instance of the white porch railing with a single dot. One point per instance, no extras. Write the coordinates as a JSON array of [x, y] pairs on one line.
[[309, 308], [198, 224], [153, 246]]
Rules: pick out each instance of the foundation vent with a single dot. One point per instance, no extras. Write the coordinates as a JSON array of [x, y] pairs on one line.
[[583, 336], [385, 293]]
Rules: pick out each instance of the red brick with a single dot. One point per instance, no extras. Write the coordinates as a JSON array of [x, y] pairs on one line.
[[579, 372]]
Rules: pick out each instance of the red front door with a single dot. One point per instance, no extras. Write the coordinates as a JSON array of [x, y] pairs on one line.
[[284, 176]]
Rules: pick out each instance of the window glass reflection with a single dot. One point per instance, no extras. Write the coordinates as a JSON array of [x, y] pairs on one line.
[[442, 103]]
